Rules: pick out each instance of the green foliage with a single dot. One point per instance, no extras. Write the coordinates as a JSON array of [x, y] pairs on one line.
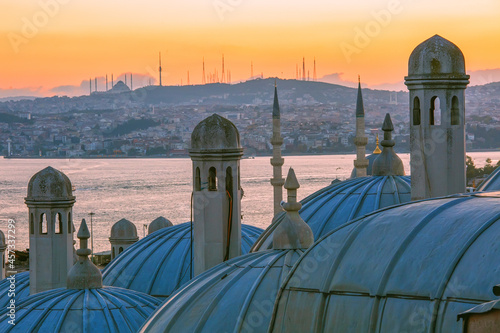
[[10, 118], [472, 171], [133, 125]]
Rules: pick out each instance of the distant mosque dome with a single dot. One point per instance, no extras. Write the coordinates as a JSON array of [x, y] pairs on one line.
[[22, 282], [436, 56], [123, 230], [119, 87], [408, 268], [161, 263], [215, 132], [340, 202], [158, 223], [49, 184], [238, 295], [492, 183]]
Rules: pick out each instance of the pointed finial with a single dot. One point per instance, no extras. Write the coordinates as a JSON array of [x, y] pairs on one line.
[[84, 274], [359, 79], [292, 232], [360, 109], [377, 149], [276, 105], [388, 162]]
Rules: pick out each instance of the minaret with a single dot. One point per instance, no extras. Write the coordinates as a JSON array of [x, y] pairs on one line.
[[277, 161], [50, 201], [106, 82], [360, 163], [222, 74], [131, 82], [315, 78], [188, 79], [95, 85], [303, 69], [159, 68], [9, 146], [3, 246], [437, 82], [216, 153], [90, 82], [388, 163], [126, 79], [203, 78]]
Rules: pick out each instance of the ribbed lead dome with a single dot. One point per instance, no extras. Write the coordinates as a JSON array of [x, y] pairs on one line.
[[161, 262], [492, 183], [409, 268], [436, 56], [22, 283], [338, 203], [215, 133], [234, 296], [107, 309]]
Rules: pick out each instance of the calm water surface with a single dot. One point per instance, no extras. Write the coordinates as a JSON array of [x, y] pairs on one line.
[[140, 190]]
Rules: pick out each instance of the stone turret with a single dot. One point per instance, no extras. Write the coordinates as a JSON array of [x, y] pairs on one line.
[[360, 163], [388, 162], [50, 202], [216, 153], [159, 223], [277, 161], [437, 81], [123, 234]]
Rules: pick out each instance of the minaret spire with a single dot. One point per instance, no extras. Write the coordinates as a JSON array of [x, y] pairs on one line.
[[303, 68], [277, 161], [159, 68], [388, 162], [361, 163], [106, 82]]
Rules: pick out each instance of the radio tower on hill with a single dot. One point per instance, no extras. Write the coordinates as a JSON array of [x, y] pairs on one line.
[[159, 68]]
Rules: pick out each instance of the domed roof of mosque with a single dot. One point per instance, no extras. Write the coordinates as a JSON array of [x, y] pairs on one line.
[[123, 230], [436, 56], [492, 183], [161, 262], [49, 184], [107, 309], [158, 223], [85, 306], [238, 295], [215, 133], [340, 202], [408, 268], [22, 283]]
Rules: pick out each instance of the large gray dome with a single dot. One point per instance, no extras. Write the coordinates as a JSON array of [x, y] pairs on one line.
[[436, 56], [492, 183], [49, 184], [161, 263], [215, 133], [408, 268], [338, 203]]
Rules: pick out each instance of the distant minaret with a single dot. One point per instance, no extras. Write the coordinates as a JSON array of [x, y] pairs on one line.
[[188, 78], [361, 163], [203, 78], [159, 68], [277, 161], [131, 82], [315, 78], [251, 69], [125, 79], [106, 82], [303, 69], [90, 81], [222, 74], [95, 84], [307, 75], [112, 81]]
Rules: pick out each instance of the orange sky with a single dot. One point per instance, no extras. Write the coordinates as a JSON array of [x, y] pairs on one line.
[[74, 40]]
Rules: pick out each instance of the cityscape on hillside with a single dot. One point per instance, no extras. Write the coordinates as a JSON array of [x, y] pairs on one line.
[[157, 121]]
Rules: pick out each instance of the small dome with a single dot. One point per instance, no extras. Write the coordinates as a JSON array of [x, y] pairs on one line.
[[408, 268], [49, 185], [235, 296], [436, 56], [160, 263], [492, 183], [22, 282], [159, 223], [215, 133], [334, 205], [107, 309], [123, 230]]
